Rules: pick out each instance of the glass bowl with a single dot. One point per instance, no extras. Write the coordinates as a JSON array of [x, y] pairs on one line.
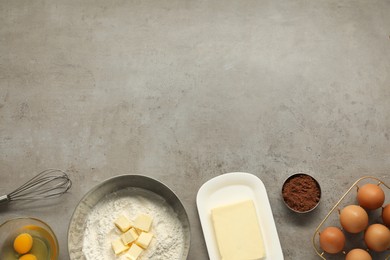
[[45, 244]]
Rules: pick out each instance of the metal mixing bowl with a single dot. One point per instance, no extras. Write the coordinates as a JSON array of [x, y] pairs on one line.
[[115, 184]]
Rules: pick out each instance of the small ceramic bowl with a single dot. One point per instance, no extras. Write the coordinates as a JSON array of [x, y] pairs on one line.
[[301, 193], [45, 244]]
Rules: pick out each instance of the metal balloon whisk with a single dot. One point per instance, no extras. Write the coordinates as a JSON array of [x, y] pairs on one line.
[[47, 184]]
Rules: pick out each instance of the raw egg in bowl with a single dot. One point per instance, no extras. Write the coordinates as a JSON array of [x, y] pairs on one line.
[[27, 239]]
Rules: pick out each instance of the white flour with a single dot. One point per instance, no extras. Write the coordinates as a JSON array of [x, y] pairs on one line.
[[168, 241]]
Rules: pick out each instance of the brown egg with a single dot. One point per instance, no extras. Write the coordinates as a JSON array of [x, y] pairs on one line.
[[332, 240], [370, 196], [386, 215], [377, 237], [358, 254], [353, 218]]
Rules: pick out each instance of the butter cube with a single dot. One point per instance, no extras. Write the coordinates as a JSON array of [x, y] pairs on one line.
[[129, 237], [123, 223], [144, 240], [143, 222], [118, 246], [238, 218], [134, 252]]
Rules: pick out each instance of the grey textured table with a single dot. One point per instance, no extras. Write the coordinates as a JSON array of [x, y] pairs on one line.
[[183, 91]]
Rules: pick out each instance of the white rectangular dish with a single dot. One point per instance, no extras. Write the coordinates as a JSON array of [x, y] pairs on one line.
[[235, 187]]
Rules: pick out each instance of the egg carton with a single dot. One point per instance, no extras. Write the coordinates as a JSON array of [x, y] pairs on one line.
[[352, 240]]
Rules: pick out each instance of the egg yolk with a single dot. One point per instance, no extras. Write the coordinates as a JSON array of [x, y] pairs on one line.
[[23, 243], [28, 257]]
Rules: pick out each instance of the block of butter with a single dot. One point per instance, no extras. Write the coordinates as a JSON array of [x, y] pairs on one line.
[[134, 252], [144, 239], [123, 223], [129, 237], [237, 231], [143, 222], [118, 246]]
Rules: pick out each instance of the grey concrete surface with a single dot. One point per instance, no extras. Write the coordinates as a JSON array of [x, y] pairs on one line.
[[183, 91]]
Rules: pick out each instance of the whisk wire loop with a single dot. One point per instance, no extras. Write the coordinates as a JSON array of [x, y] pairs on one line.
[[47, 184]]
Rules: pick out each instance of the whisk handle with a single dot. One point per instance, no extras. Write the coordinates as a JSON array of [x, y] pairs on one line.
[[4, 199]]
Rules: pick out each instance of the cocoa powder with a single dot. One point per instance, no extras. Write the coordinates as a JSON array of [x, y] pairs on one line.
[[301, 192]]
